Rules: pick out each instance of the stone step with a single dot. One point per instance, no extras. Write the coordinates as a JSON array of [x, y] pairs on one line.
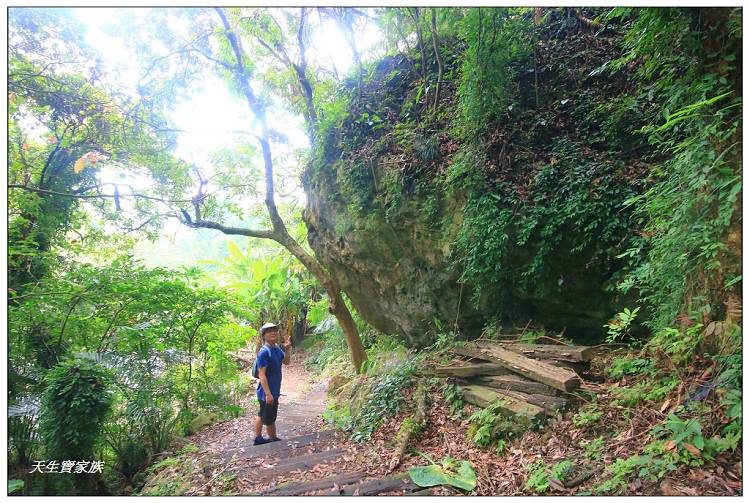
[[275, 449], [300, 488], [400, 482], [302, 462]]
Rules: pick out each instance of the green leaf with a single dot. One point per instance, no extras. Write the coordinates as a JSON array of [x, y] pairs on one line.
[[452, 472], [234, 251], [427, 476]]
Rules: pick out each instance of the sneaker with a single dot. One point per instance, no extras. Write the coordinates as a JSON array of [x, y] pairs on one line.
[[274, 439], [260, 441]]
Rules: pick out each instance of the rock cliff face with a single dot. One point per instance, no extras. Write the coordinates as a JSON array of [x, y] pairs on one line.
[[398, 275], [388, 232]]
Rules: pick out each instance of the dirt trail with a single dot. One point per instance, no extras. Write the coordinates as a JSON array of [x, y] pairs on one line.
[[310, 459], [301, 408]]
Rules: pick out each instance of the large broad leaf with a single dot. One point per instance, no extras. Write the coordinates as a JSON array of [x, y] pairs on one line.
[[258, 270], [234, 251], [451, 472], [317, 312]]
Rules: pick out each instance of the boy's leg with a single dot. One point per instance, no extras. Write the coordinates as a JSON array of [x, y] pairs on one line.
[[270, 419], [271, 429], [258, 426]]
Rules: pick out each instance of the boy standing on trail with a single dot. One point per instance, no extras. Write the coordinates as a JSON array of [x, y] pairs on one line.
[[269, 361]]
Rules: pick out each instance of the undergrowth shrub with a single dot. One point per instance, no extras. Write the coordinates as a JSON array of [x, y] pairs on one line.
[[587, 416], [492, 426], [387, 395], [454, 399], [704, 424], [625, 366], [685, 259], [23, 435], [140, 431], [74, 406], [326, 345], [374, 398], [539, 474]]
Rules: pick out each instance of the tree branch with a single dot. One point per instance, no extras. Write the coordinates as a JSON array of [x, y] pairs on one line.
[[94, 196], [111, 324], [49, 161], [280, 233], [439, 60], [236, 231], [283, 58], [301, 70]]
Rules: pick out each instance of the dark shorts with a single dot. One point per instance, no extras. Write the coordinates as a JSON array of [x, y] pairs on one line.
[[268, 411]]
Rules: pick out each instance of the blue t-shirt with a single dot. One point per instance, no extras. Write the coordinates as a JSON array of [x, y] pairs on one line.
[[271, 358]]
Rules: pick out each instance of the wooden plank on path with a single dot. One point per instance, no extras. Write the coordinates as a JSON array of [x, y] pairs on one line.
[[550, 404], [558, 378], [515, 382], [284, 448], [470, 352], [484, 396], [578, 367], [400, 482], [467, 370], [303, 462], [299, 488], [553, 351]]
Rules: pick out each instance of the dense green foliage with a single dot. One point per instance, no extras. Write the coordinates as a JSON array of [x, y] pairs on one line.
[[78, 126], [165, 340], [557, 152], [538, 198], [687, 256], [272, 286], [545, 147], [75, 403]]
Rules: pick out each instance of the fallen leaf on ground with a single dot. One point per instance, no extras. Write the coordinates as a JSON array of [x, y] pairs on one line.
[[691, 449]]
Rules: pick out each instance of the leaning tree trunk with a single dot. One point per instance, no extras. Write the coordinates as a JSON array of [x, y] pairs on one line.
[[279, 232], [351, 333], [337, 305]]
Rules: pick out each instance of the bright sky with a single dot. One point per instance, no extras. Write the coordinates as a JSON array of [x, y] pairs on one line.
[[211, 111]]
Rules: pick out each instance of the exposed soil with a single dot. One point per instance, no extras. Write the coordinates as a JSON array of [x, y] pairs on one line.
[[313, 460]]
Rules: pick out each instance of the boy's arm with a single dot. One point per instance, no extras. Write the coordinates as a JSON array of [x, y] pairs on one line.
[[264, 383]]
